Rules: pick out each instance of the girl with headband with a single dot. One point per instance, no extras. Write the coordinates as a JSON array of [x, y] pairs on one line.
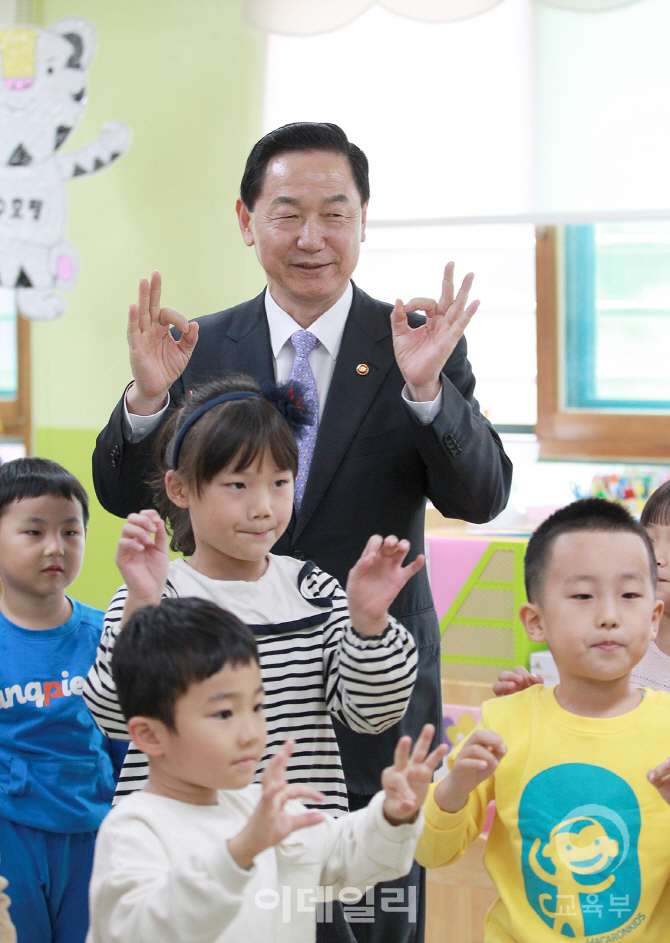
[[229, 460]]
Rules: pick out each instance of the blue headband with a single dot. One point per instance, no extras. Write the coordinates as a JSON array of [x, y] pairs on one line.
[[287, 397]]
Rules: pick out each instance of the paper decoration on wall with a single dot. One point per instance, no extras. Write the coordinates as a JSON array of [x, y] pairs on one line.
[[458, 722], [481, 631], [42, 99]]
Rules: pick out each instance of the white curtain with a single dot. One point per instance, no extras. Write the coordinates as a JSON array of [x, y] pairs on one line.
[[306, 17], [529, 111], [602, 121]]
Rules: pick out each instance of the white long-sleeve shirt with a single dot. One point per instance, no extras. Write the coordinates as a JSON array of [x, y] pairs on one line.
[[163, 874], [314, 666]]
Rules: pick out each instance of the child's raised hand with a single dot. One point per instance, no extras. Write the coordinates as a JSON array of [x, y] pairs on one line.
[[476, 761], [509, 682], [406, 782], [142, 558], [270, 823], [660, 777], [376, 579]]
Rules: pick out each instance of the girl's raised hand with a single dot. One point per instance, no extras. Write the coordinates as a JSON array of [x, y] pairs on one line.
[[376, 579], [142, 558]]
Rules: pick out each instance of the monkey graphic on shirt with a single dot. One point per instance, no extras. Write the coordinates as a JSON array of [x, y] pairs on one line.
[[580, 828], [578, 845]]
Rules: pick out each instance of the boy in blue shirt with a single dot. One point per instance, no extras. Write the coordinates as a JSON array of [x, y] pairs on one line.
[[57, 771]]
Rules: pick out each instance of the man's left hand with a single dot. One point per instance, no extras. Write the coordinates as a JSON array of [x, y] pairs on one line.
[[422, 352]]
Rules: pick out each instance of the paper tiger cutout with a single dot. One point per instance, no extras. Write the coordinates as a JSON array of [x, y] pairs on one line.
[[42, 100]]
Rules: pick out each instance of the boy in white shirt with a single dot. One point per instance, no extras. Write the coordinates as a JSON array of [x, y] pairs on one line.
[[203, 854]]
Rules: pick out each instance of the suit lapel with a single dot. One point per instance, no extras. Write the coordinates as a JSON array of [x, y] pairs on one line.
[[366, 340], [251, 350]]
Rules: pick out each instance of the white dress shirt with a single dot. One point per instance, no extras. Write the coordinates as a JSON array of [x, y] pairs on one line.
[[329, 328]]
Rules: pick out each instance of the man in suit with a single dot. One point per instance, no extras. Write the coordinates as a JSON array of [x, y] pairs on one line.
[[397, 419]]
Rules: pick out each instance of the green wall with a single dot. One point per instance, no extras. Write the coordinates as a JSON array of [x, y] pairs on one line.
[[187, 76]]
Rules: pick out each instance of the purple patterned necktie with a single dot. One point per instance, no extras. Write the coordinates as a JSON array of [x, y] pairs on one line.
[[304, 344]]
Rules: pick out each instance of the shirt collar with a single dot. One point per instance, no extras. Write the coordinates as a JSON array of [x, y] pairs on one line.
[[329, 327]]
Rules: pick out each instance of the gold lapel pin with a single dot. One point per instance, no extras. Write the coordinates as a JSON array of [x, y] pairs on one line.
[[362, 369]]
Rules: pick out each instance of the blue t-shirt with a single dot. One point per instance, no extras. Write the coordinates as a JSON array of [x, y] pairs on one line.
[[56, 771]]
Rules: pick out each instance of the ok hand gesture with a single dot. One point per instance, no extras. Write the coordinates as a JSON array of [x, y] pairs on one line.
[[156, 358], [422, 352]]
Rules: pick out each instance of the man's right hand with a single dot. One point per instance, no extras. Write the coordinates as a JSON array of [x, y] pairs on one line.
[[156, 359], [509, 682]]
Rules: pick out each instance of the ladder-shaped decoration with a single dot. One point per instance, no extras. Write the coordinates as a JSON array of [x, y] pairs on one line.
[[481, 631]]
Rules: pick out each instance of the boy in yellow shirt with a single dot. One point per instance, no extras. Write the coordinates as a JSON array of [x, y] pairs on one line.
[[579, 847]]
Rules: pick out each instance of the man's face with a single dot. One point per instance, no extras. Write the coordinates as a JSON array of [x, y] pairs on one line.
[[307, 227], [597, 609]]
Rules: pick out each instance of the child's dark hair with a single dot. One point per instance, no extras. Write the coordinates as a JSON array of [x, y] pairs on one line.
[[237, 431], [589, 514], [33, 477], [163, 649], [657, 508]]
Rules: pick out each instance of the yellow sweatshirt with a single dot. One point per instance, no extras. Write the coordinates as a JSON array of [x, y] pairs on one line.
[[580, 845]]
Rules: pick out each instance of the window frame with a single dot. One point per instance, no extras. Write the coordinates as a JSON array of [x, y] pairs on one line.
[[581, 433], [580, 299], [15, 414]]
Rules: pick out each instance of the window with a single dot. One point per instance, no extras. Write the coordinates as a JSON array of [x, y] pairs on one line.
[[14, 380], [405, 261], [450, 144], [617, 316], [9, 359], [445, 141], [603, 317]]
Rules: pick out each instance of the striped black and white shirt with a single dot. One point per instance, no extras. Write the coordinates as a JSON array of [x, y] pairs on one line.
[[314, 666]]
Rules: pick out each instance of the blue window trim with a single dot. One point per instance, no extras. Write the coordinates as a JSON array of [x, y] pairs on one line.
[[580, 327], [9, 381]]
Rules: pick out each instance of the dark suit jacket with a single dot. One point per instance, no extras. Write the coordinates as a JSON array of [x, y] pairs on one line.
[[373, 466]]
